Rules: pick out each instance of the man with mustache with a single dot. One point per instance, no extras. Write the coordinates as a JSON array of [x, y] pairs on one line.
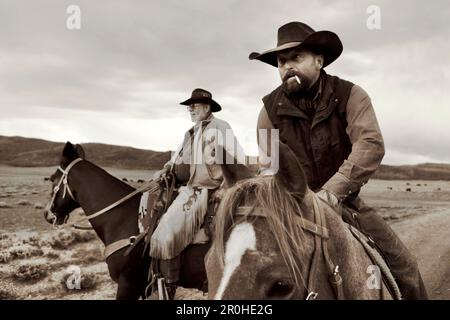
[[197, 163], [331, 126]]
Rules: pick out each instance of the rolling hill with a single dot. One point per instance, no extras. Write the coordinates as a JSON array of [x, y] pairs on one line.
[[30, 152]]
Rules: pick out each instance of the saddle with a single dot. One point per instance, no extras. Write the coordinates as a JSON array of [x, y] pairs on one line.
[[163, 273]]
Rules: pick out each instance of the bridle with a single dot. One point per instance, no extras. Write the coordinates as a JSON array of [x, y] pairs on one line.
[[151, 186], [63, 181], [321, 235]]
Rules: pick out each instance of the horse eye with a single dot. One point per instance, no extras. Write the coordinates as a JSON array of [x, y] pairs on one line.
[[280, 289]]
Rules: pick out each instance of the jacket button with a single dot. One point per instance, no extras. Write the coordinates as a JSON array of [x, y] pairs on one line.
[[280, 103], [336, 100]]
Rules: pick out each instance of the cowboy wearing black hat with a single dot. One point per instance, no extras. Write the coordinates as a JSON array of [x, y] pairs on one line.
[[200, 153], [331, 126]]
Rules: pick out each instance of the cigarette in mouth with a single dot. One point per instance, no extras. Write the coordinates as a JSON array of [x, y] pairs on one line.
[[298, 79]]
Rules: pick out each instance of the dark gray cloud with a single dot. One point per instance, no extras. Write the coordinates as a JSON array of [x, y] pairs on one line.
[[137, 60]]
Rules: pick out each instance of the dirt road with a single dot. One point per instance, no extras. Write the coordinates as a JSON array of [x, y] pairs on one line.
[[428, 238]]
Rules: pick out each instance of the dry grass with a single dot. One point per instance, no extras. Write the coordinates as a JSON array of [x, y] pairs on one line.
[[67, 238], [88, 256]]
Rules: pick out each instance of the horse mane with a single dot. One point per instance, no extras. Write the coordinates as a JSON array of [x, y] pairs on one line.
[[282, 210]]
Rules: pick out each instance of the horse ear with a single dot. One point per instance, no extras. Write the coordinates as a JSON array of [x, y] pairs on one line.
[[80, 151], [235, 171], [69, 152], [290, 173], [232, 173]]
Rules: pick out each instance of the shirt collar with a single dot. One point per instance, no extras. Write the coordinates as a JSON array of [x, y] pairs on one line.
[[202, 123]]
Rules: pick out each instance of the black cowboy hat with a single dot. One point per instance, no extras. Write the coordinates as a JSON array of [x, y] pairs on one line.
[[201, 95], [297, 34]]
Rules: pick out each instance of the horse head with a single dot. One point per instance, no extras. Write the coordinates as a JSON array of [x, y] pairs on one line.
[[63, 201], [259, 250]]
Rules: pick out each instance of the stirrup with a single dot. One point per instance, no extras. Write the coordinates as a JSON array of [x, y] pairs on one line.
[[162, 289], [157, 285]]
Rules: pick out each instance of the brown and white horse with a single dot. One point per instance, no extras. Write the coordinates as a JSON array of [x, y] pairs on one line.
[[274, 239]]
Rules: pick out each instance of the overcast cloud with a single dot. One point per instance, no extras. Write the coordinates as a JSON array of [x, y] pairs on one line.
[[120, 78]]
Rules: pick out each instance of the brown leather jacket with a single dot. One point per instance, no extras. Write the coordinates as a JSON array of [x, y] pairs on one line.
[[341, 147], [204, 155]]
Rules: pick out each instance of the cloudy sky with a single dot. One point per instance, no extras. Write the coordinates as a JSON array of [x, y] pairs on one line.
[[120, 77]]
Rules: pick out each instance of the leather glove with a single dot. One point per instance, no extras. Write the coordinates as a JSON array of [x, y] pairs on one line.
[[160, 173], [328, 197]]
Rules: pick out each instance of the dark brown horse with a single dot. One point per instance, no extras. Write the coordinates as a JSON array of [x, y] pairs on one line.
[[83, 184]]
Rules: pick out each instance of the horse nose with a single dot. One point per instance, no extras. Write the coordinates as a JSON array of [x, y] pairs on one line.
[[49, 217]]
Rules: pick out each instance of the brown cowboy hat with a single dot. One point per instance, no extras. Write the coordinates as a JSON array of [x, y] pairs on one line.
[[298, 34], [201, 95]]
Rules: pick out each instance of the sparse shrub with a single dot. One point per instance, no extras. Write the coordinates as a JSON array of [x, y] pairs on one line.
[[38, 206], [23, 203], [33, 241], [63, 240], [5, 257], [4, 205], [89, 281], [30, 272], [52, 255], [88, 257], [7, 295], [83, 236], [20, 252], [58, 244]]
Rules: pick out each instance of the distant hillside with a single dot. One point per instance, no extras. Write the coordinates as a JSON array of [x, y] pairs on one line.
[[28, 152], [426, 171]]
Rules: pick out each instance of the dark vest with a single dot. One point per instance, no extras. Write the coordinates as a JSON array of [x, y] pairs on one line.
[[321, 144]]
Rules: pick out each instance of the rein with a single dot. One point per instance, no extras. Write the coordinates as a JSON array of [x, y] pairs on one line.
[[321, 235]]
